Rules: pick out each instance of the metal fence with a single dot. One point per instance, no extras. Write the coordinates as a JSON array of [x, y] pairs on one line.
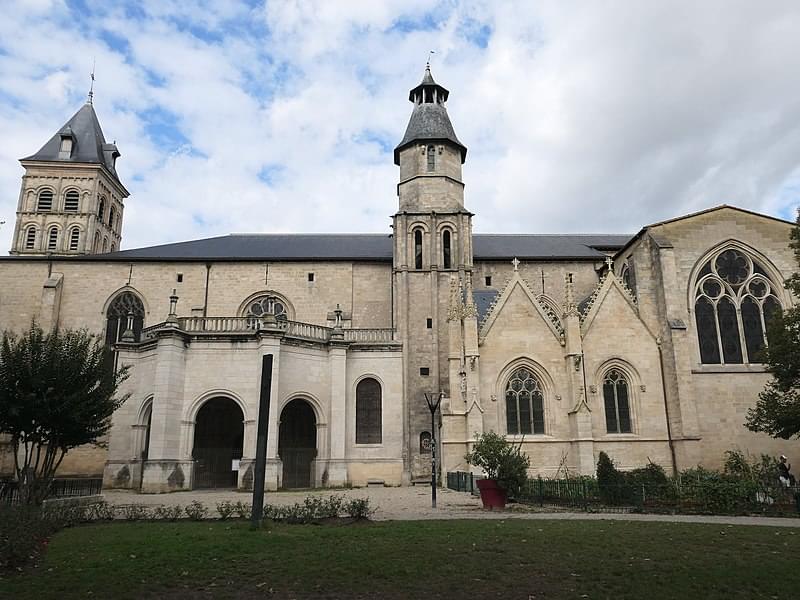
[[586, 494], [60, 488]]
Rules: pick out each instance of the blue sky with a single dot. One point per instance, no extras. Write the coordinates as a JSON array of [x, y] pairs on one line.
[[282, 116]]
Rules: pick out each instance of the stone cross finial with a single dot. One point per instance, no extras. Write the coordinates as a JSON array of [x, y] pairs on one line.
[[515, 262], [610, 264]]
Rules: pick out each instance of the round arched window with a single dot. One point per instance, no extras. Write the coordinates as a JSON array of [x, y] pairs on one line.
[[267, 305]]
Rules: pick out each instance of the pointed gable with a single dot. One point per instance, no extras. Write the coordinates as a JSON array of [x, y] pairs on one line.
[[89, 144], [613, 303]]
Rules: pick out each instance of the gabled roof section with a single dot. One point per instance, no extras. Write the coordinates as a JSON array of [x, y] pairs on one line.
[[492, 246], [89, 144], [641, 232], [609, 282]]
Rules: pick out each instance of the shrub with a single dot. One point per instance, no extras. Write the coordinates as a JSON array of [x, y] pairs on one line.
[[225, 509], [243, 509], [136, 512], [500, 460], [196, 510], [101, 511], [168, 513], [23, 533], [359, 508], [610, 481]]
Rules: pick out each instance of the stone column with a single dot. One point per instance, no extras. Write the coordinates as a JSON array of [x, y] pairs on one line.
[[168, 468], [337, 463]]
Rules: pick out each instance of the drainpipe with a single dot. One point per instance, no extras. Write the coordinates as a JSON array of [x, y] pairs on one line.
[[205, 299], [666, 409]]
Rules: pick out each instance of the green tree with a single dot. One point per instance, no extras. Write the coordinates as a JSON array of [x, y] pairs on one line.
[[777, 411], [57, 392]]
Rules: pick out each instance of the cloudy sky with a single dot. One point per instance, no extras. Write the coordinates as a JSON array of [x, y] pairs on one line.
[[282, 116]]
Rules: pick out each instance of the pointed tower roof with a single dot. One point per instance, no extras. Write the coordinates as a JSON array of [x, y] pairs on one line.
[[88, 143], [429, 120]]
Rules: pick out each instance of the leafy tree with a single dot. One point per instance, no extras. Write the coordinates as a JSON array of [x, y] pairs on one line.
[[501, 460], [777, 411], [57, 392]]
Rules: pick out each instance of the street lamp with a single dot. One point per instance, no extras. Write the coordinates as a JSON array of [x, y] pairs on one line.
[[433, 400]]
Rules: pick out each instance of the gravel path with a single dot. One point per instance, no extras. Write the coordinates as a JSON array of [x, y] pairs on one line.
[[414, 503]]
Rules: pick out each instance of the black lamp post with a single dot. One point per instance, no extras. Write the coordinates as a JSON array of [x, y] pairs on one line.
[[433, 400]]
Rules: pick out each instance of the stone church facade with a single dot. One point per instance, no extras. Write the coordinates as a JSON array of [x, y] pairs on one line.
[[645, 346]]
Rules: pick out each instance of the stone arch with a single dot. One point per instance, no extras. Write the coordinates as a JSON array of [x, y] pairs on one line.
[[381, 403], [298, 441], [116, 323], [290, 312], [125, 288], [634, 381], [190, 414], [545, 382], [217, 436], [772, 271], [63, 200]]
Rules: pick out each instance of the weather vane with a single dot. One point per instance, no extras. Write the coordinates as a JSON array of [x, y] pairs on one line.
[[430, 52], [91, 86]]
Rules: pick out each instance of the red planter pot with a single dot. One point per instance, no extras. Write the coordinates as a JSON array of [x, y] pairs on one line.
[[492, 495]]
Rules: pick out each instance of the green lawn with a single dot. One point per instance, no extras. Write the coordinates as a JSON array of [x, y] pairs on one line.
[[435, 559]]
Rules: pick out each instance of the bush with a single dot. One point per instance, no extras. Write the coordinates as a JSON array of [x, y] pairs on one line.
[[500, 460], [225, 509], [196, 510], [243, 509], [136, 512], [610, 481], [23, 534], [359, 508], [168, 513], [101, 511]]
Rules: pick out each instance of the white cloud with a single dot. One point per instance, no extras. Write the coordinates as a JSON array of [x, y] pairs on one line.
[[593, 116]]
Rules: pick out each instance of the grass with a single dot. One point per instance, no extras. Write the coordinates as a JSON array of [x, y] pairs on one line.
[[435, 559]]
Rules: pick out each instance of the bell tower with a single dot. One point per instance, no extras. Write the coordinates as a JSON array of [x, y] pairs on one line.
[[432, 244], [71, 200]]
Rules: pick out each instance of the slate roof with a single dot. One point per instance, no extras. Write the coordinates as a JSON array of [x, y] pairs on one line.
[[364, 247], [429, 121], [483, 300], [89, 144]]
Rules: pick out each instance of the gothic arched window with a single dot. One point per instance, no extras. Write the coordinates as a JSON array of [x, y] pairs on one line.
[[734, 301], [267, 305], [71, 201], [45, 200], [431, 153], [524, 403], [30, 238], [74, 238], [52, 238], [418, 248], [123, 305], [617, 402], [368, 412], [447, 261]]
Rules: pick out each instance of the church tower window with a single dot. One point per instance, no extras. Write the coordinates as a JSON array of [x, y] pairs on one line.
[[45, 200], [71, 201], [74, 238], [52, 239], [368, 412], [101, 210], [524, 403], [735, 299], [125, 304], [30, 238], [111, 215], [418, 248], [96, 247], [447, 261], [431, 152], [617, 404]]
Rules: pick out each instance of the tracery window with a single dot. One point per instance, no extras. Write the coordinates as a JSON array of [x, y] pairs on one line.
[[524, 403], [52, 238], [71, 201], [267, 305], [617, 402], [30, 238], [117, 317], [368, 412], [74, 238], [734, 301], [45, 200], [418, 248], [431, 153], [628, 276], [447, 261]]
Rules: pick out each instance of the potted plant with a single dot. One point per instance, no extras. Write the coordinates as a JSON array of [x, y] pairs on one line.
[[506, 468]]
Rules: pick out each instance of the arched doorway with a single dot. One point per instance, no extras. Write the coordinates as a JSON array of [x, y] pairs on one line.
[[297, 443], [218, 440]]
